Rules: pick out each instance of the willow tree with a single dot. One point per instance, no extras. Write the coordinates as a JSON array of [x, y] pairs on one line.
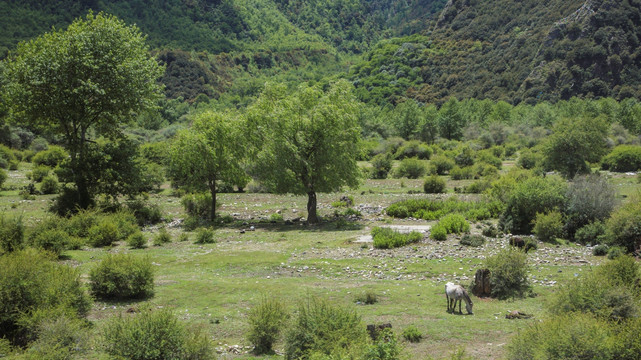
[[208, 154], [82, 83], [307, 142]]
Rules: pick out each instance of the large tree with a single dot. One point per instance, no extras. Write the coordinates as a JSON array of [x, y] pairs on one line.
[[208, 154], [82, 83], [308, 142]]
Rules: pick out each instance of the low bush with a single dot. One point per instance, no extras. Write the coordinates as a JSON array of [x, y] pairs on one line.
[[38, 173], [490, 231], [49, 185], [3, 177], [276, 218], [183, 237], [600, 250], [548, 227], [530, 244], [51, 157], [438, 233], [266, 320], [144, 213], [615, 252], [589, 198], [622, 228], [386, 238], [59, 338], [592, 233], [454, 224], [155, 334], [623, 158], [458, 173], [36, 288], [412, 334], [198, 204], [411, 168], [11, 234], [205, 236], [508, 273], [103, 234], [385, 347], [381, 166], [80, 223], [529, 159], [434, 185], [413, 148], [428, 209], [472, 240], [441, 164], [137, 240], [368, 298], [53, 240], [162, 237], [122, 276], [322, 327]]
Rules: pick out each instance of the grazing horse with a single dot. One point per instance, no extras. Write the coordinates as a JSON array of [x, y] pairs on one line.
[[456, 293]]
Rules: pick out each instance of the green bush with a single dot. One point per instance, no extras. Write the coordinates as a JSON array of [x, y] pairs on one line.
[[155, 335], [266, 320], [592, 233], [54, 240], [490, 231], [198, 205], [384, 348], [3, 177], [79, 224], [122, 276], [529, 159], [454, 224], [183, 237], [50, 157], [472, 240], [615, 252], [413, 148], [529, 197], [411, 168], [438, 233], [434, 185], [38, 173], [623, 227], [276, 218], [530, 244], [126, 222], [368, 298], [600, 250], [412, 334], [548, 227], [102, 234], [508, 273], [137, 240], [144, 213], [381, 166], [589, 198], [458, 173], [464, 158], [11, 234], [36, 288], [323, 327], [428, 209], [386, 238], [623, 158], [59, 338], [205, 236], [441, 164], [49, 185], [162, 237]]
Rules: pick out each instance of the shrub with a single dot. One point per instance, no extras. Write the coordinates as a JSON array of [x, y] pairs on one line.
[[548, 227], [53, 240], [600, 250], [464, 158], [39, 172], [529, 159], [385, 347], [205, 236], [183, 237], [145, 213], [623, 158], [162, 237], [530, 244], [104, 233], [532, 196], [592, 233], [434, 185], [615, 252], [136, 240], [478, 187], [198, 204], [122, 276], [386, 238], [508, 273], [412, 334], [50, 157], [413, 148], [381, 166], [368, 298], [454, 224], [61, 338], [325, 328], [428, 209], [472, 240], [458, 173], [276, 218], [623, 227], [411, 168], [589, 198], [266, 321], [441, 164], [438, 232], [49, 185], [155, 335], [11, 234], [35, 288], [490, 231], [3, 177]]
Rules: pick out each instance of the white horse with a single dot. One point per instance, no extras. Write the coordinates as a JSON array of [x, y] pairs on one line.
[[456, 293]]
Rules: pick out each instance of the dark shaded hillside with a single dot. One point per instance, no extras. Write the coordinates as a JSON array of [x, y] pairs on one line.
[[514, 51]]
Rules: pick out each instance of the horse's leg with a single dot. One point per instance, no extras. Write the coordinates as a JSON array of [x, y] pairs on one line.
[[459, 306], [447, 298]]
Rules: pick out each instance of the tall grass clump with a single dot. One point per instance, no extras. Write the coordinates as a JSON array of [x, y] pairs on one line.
[[205, 236], [122, 276], [508, 273], [428, 209], [324, 328], [386, 238], [155, 335], [266, 321]]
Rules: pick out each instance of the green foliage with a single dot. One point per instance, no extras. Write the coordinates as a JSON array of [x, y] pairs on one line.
[[548, 227], [162, 237], [623, 228], [49, 185], [205, 236], [368, 298], [472, 240], [51, 157], [36, 288], [441, 164], [414, 148], [11, 234], [386, 238], [54, 240], [381, 166], [529, 197], [434, 185], [39, 172], [384, 348], [529, 159], [266, 320], [600, 250], [490, 231], [155, 335], [508, 273], [438, 233], [589, 198], [411, 168], [322, 327], [197, 204], [3, 177], [428, 209], [122, 276], [592, 233], [623, 158], [454, 224], [412, 334], [136, 240], [615, 252], [59, 338], [145, 213]]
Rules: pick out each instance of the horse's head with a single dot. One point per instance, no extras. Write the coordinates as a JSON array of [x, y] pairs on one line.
[[468, 307]]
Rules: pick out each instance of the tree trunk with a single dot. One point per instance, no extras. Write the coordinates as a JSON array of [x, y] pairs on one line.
[[212, 189], [312, 218]]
